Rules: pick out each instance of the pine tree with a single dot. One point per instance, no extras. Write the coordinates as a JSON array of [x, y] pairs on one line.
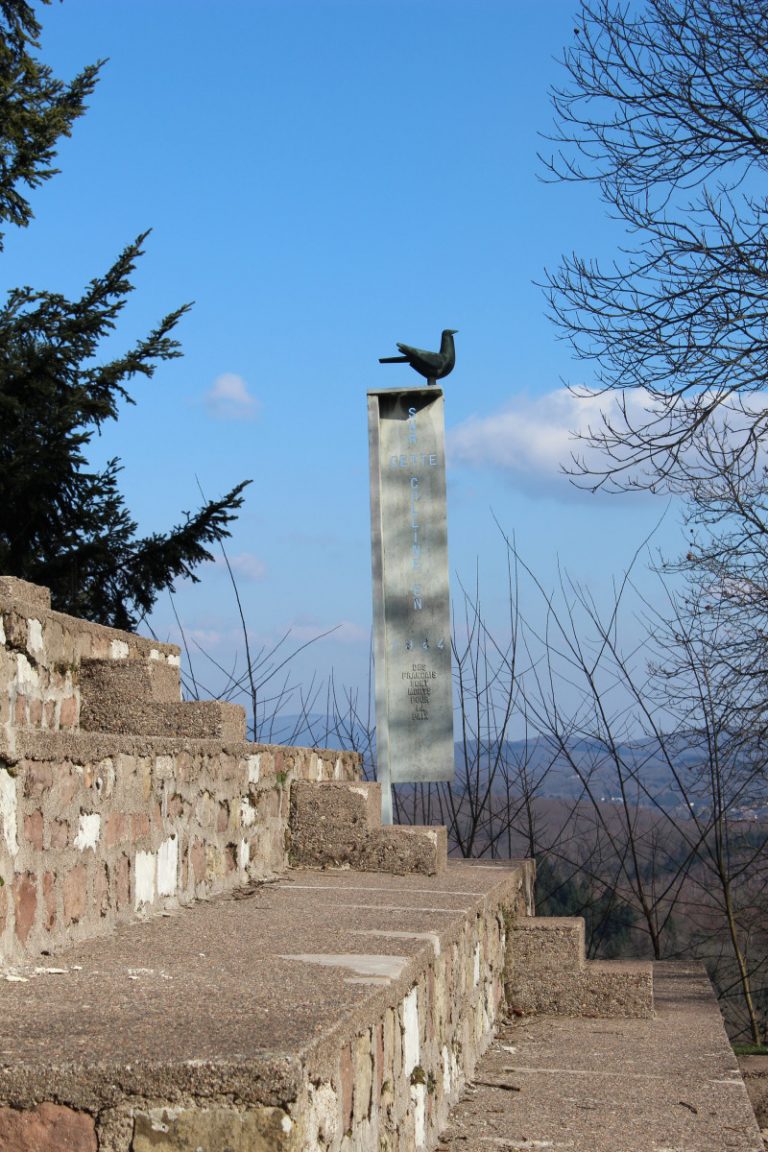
[[62, 524]]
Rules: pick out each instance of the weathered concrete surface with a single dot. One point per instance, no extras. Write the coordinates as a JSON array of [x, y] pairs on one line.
[[670, 1084], [338, 825], [754, 1069], [355, 1004], [548, 973]]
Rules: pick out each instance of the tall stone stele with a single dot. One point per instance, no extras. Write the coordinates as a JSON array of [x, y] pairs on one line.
[[411, 605]]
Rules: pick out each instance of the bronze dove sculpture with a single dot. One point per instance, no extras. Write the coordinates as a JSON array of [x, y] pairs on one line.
[[433, 365]]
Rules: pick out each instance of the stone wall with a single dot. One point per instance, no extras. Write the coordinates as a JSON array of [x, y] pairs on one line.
[[393, 1085], [100, 827]]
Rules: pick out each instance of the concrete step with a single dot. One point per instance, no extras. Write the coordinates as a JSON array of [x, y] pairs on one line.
[[333, 1011], [337, 825], [547, 974], [669, 1083], [191, 720], [129, 680]]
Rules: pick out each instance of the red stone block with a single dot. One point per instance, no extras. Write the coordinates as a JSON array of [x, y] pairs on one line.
[[122, 874], [75, 892], [25, 903], [139, 826], [36, 713], [49, 901], [101, 889], [38, 778], [68, 783], [20, 712], [222, 819], [59, 833], [33, 829], [197, 861], [47, 1128], [68, 713], [114, 829], [50, 714]]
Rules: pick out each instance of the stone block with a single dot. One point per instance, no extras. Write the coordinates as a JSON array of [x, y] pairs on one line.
[[47, 1128], [126, 680], [330, 806], [337, 825], [213, 1130], [13, 589], [75, 894], [38, 779], [33, 829], [546, 974], [49, 901], [617, 988], [68, 713], [546, 944], [25, 905], [402, 849], [59, 834]]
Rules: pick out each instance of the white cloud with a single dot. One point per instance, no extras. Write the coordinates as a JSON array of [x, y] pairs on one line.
[[532, 439], [228, 398], [245, 564]]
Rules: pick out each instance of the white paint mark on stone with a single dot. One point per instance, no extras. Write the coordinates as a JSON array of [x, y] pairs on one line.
[[154, 654], [419, 1097], [35, 638], [360, 963], [9, 811], [243, 854], [446, 1071], [411, 1046], [338, 770], [89, 831], [144, 878], [173, 660], [432, 937], [254, 768], [167, 866], [26, 675], [247, 814], [2, 631], [476, 972], [118, 650], [286, 1124]]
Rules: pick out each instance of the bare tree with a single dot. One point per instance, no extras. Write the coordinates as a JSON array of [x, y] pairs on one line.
[[665, 110]]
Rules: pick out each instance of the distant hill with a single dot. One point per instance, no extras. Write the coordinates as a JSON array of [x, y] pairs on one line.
[[555, 772]]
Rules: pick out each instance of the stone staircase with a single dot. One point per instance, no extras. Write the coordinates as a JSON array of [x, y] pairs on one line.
[[211, 945]]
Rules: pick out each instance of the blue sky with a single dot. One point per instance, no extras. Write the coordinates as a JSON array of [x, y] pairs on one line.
[[324, 178]]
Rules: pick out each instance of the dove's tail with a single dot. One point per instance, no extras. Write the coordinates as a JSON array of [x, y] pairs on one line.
[[393, 359]]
